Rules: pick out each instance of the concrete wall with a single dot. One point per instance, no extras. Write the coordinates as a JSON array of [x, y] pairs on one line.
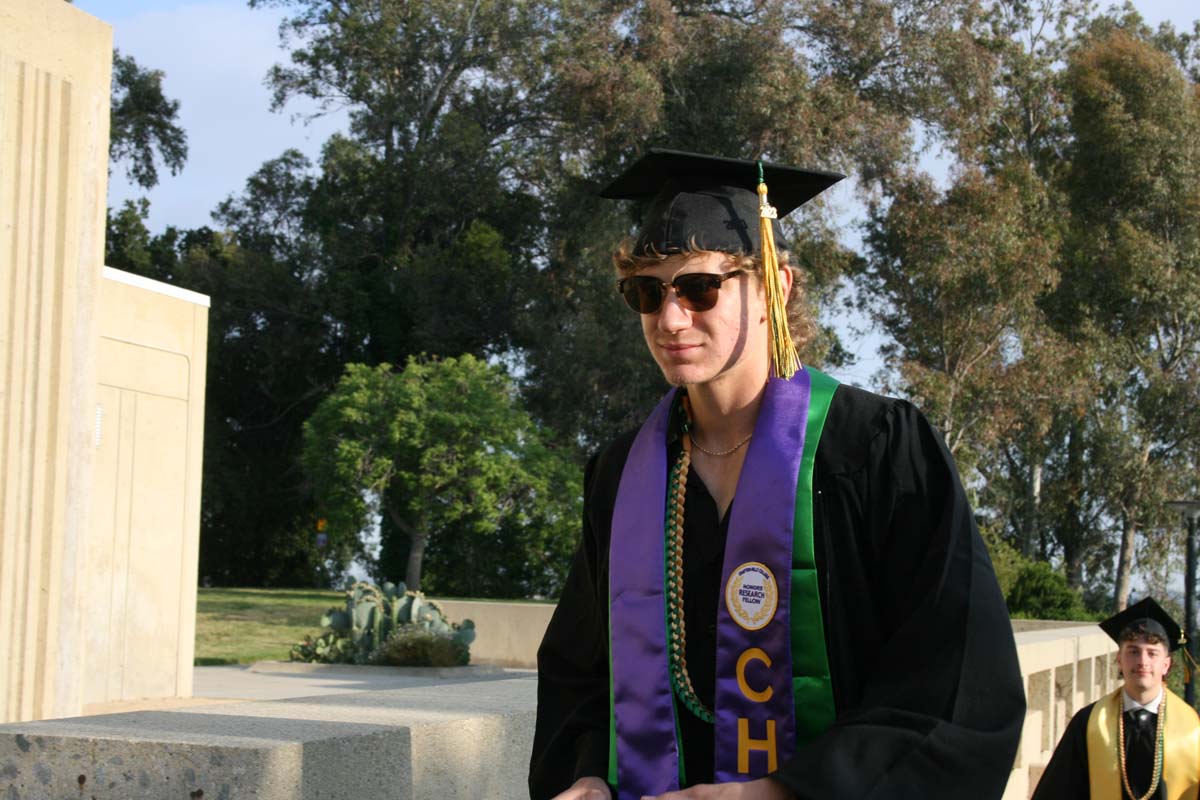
[[55, 72], [144, 536], [507, 634], [101, 401]]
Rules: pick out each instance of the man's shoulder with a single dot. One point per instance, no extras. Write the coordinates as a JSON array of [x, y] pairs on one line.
[[869, 409], [857, 420], [862, 405]]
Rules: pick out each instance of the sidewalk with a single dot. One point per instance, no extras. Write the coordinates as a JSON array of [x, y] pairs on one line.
[[281, 680]]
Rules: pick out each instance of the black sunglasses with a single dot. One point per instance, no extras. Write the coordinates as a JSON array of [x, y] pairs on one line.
[[697, 291]]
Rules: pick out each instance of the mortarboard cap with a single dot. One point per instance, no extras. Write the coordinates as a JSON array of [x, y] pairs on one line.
[[1144, 617], [708, 200]]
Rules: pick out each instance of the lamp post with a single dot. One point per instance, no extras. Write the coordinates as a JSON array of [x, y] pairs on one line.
[[1191, 512]]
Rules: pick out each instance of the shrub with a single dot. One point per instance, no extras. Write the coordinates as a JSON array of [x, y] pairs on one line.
[[372, 615], [1007, 561], [1041, 592], [414, 646]]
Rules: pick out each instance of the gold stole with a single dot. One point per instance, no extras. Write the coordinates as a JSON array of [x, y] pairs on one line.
[[1181, 764]]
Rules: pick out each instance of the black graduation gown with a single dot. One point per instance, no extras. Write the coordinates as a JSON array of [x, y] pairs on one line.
[[1066, 776], [926, 684]]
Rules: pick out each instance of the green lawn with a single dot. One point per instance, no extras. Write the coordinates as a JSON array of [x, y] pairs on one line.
[[241, 626]]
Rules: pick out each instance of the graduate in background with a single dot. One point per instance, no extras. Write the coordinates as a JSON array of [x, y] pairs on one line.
[[780, 591], [1140, 742]]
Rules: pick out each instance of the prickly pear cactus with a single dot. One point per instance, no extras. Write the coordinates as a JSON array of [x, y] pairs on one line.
[[371, 615], [465, 632]]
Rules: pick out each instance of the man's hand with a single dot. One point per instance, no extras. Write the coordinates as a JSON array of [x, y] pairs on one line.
[[761, 789], [586, 789]]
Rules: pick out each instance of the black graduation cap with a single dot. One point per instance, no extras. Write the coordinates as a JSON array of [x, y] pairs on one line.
[[708, 200], [1144, 617]]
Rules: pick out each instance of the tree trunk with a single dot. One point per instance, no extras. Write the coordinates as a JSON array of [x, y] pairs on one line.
[[1073, 566], [418, 536], [1131, 507], [416, 555], [1030, 534], [1071, 530], [1125, 564]]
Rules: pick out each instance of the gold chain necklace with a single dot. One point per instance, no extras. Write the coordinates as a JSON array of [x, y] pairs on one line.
[[1160, 725], [719, 453]]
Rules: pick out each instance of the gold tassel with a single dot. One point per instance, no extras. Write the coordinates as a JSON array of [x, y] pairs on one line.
[[1190, 667], [784, 359]]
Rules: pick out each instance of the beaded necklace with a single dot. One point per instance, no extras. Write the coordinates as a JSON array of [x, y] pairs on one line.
[[1160, 726], [681, 682]]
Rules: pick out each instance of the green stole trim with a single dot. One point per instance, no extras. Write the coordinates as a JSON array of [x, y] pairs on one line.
[[612, 714], [812, 685]]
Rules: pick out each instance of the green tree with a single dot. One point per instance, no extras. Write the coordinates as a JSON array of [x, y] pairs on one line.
[[954, 279], [442, 103], [144, 123], [446, 452], [1068, 429], [1132, 281], [801, 83]]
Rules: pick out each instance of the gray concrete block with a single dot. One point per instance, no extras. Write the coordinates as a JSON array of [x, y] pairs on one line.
[[464, 740]]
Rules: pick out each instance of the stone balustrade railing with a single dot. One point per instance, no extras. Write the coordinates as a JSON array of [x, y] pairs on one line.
[[1064, 669], [1065, 666]]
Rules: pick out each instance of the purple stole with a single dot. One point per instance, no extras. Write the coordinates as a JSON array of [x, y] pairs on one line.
[[754, 721]]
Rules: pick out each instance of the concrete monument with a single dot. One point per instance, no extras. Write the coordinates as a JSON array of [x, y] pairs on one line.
[[101, 401]]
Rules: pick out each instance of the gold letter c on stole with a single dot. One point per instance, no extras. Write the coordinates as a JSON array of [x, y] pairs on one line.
[[753, 654], [745, 743]]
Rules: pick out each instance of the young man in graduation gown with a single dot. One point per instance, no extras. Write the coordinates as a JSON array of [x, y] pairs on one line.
[[1140, 742], [780, 590]]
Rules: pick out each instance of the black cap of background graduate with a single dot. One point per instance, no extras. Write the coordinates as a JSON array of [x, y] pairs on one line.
[[708, 201], [1144, 617]]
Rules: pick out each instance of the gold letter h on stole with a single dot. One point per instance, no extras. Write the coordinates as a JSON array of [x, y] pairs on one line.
[[745, 743]]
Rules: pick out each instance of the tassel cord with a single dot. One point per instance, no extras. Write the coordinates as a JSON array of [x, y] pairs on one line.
[[784, 359]]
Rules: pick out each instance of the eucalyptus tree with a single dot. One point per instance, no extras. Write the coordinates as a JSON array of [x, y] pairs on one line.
[[1132, 283], [956, 276]]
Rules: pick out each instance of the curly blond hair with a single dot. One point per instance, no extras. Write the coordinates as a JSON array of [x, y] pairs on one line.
[[800, 322]]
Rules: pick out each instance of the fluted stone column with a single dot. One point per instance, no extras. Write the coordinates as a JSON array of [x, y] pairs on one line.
[[55, 74]]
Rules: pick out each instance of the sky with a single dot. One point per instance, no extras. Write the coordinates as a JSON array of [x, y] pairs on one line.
[[215, 56]]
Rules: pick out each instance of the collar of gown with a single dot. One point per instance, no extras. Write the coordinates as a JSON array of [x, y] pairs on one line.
[[1129, 704]]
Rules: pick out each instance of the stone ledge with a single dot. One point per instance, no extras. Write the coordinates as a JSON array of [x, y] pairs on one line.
[[471, 672], [461, 740]]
